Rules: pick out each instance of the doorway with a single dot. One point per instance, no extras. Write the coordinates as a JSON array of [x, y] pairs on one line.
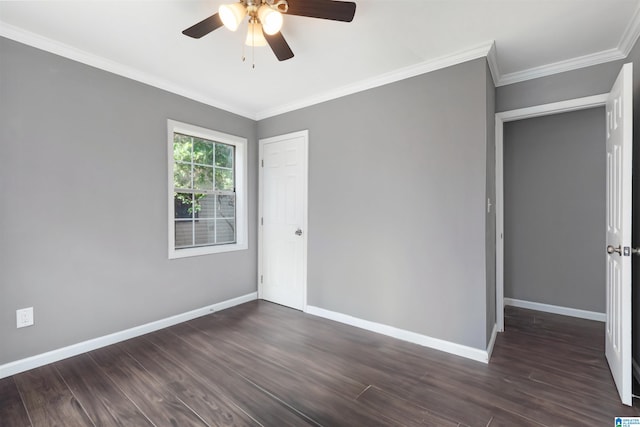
[[619, 152], [554, 211], [508, 116]]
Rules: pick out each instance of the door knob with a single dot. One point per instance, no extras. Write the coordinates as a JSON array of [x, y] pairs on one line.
[[298, 232], [611, 250]]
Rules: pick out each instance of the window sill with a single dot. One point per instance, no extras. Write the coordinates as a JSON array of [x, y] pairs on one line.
[[206, 250]]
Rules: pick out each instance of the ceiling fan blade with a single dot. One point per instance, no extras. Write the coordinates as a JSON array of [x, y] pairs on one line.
[[204, 27], [324, 9], [279, 46]]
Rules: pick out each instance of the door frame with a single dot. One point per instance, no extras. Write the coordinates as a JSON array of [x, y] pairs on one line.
[[510, 116], [305, 209]]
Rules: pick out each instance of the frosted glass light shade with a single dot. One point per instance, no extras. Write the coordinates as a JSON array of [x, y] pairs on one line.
[[232, 15], [270, 19], [255, 36]]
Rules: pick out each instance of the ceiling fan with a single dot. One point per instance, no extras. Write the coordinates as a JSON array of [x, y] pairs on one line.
[[265, 20]]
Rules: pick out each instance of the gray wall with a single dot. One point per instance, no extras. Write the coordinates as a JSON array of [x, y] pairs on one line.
[[83, 217], [490, 224], [397, 202], [554, 209]]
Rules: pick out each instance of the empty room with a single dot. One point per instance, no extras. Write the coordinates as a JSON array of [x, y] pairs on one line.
[[318, 212]]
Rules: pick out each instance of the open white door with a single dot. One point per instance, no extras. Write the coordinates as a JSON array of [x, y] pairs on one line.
[[282, 256], [619, 111]]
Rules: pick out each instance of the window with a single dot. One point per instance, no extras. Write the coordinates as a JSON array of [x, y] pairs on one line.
[[207, 191]]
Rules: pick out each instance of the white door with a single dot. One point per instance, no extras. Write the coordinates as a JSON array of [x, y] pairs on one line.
[[283, 220], [619, 111]]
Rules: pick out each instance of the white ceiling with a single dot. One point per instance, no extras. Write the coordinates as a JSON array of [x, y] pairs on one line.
[[387, 40]]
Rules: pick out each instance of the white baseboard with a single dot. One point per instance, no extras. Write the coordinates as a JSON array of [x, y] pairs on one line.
[[413, 337], [556, 309], [492, 341], [28, 363]]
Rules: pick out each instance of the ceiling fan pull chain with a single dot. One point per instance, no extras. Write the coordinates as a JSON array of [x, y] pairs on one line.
[[253, 46]]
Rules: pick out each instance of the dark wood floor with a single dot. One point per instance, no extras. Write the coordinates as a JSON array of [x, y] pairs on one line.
[[263, 364]]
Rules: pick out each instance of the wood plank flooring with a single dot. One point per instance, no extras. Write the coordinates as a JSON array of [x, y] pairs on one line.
[[260, 364]]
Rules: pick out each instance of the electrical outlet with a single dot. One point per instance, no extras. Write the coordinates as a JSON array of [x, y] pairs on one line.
[[24, 317]]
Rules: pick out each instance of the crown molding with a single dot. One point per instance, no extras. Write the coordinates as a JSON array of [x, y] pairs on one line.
[[492, 61], [96, 61], [627, 41], [629, 38], [383, 79], [561, 66], [631, 34]]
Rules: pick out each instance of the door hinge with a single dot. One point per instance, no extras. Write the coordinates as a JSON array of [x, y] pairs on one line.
[[261, 278], [261, 220], [262, 162]]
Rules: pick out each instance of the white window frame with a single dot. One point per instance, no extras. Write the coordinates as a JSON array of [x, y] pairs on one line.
[[240, 164]]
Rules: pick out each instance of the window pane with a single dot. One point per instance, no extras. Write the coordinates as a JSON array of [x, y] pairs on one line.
[[226, 207], [202, 151], [181, 175], [184, 233], [181, 147], [203, 168], [183, 205], [224, 180], [207, 206], [203, 178], [205, 232], [226, 232], [197, 204], [224, 155]]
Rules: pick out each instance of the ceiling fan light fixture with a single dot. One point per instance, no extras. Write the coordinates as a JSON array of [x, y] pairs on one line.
[[270, 19], [254, 35], [232, 15]]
